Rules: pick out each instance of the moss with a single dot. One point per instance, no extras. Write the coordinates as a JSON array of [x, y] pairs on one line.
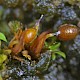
[[56, 12]]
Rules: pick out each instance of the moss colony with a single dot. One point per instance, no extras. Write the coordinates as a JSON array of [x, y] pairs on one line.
[[51, 65]]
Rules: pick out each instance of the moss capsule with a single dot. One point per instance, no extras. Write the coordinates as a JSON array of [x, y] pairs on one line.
[[67, 32], [30, 34]]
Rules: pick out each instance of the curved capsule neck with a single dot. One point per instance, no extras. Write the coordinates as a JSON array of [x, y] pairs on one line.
[[38, 22], [53, 34], [56, 33]]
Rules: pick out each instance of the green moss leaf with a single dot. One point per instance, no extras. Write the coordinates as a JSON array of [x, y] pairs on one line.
[[2, 37], [54, 47], [62, 54], [3, 57], [46, 44], [2, 67], [53, 56]]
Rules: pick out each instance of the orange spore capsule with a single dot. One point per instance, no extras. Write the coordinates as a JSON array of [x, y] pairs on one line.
[[67, 32], [30, 35]]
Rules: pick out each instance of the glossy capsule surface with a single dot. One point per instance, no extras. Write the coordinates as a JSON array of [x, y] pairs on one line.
[[67, 32], [30, 34]]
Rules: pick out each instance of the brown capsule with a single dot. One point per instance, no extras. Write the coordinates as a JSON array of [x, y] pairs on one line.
[[30, 34], [67, 32], [38, 43]]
